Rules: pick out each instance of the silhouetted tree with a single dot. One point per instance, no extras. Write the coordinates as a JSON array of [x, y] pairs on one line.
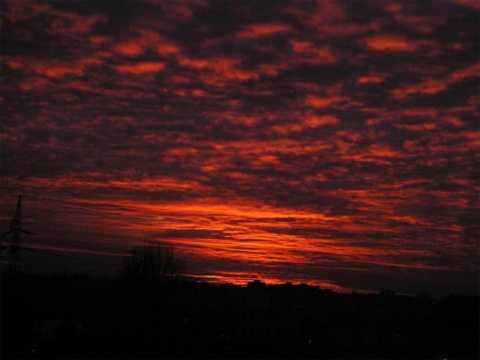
[[153, 262]]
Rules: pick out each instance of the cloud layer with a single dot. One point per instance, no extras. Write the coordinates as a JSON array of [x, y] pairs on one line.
[[334, 143]]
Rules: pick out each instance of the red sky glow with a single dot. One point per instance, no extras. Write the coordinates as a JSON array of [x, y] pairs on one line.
[[333, 143]]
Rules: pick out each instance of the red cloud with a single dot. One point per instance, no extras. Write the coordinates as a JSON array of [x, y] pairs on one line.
[[371, 79], [256, 31], [406, 15], [141, 68], [315, 121], [417, 127], [131, 49], [474, 4], [66, 22], [22, 10], [331, 20], [180, 10], [168, 49], [56, 71], [437, 83], [318, 102], [392, 43], [311, 54], [224, 67], [99, 40], [145, 40], [332, 99]]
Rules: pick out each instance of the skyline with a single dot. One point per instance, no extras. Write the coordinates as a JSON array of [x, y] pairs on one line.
[[333, 143]]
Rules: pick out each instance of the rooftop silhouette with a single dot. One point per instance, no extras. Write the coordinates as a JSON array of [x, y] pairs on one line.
[[80, 316]]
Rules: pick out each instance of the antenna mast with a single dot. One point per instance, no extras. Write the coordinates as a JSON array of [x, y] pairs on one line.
[[13, 264]]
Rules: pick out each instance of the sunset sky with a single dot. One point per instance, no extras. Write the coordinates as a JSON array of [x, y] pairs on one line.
[[333, 143]]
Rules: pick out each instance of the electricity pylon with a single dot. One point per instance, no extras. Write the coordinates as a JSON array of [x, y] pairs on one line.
[[13, 264]]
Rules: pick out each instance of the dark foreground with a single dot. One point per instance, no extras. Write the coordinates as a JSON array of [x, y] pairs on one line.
[[88, 317]]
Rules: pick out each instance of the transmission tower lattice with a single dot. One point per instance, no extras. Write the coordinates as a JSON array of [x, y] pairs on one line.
[[13, 263]]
